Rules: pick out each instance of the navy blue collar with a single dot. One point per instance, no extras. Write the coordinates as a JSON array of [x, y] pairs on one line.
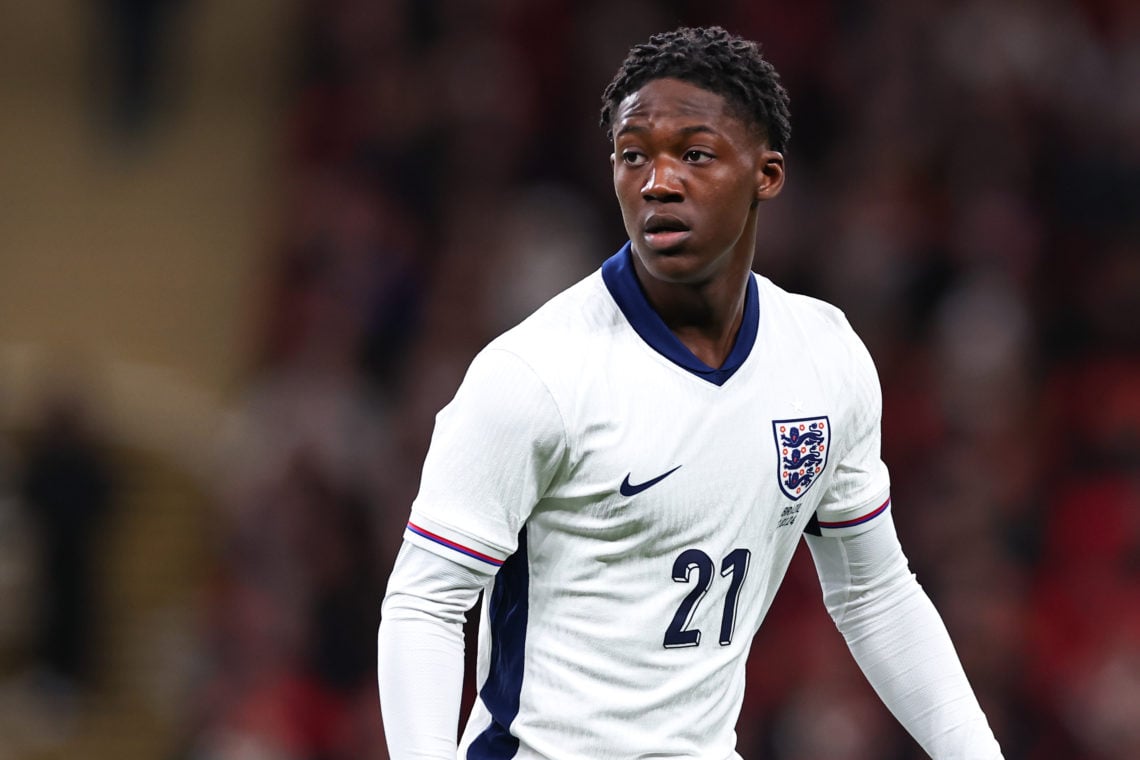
[[621, 280]]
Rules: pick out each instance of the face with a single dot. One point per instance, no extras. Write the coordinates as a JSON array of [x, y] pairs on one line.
[[688, 176]]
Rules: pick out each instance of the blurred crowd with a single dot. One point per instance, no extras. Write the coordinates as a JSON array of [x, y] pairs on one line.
[[963, 181]]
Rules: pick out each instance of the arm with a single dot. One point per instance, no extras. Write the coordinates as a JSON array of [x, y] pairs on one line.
[[420, 652], [493, 452], [900, 642]]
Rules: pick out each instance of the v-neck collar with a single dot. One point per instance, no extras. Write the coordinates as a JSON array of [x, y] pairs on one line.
[[621, 280]]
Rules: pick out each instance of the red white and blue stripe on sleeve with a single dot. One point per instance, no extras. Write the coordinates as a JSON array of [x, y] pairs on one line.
[[845, 525], [460, 551]]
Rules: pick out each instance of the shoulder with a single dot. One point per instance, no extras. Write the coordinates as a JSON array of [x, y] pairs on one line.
[[781, 303], [794, 311], [815, 330], [564, 331]]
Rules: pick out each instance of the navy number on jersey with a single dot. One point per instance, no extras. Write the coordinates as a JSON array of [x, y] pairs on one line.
[[679, 634]]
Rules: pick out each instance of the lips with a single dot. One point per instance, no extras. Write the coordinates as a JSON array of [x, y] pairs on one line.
[[664, 231], [664, 223]]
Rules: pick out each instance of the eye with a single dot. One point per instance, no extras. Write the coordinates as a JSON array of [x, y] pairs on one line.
[[633, 157], [697, 156]]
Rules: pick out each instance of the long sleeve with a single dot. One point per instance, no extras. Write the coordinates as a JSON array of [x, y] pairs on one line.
[[900, 642], [420, 652]]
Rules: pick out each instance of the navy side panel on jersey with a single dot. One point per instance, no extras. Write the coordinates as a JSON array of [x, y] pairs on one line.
[[507, 614]]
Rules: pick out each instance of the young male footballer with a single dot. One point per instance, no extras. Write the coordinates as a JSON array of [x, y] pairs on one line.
[[626, 474]]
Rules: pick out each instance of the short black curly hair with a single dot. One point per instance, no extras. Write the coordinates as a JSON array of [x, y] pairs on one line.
[[715, 60]]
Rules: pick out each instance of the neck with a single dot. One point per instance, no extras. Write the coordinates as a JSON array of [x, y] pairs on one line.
[[705, 316]]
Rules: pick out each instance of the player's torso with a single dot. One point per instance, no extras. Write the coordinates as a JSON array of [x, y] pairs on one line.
[[658, 548], [668, 472]]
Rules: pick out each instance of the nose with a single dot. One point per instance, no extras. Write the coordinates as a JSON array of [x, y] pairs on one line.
[[663, 182]]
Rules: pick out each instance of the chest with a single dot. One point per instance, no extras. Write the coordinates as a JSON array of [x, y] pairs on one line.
[[660, 461]]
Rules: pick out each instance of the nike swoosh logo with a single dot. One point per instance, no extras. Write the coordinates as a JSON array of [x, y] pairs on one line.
[[629, 489]]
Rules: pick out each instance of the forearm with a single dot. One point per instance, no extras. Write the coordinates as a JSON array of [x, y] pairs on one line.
[[911, 663], [901, 643], [420, 654]]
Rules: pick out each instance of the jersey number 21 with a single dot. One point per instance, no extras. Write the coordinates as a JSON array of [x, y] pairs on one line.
[[679, 634]]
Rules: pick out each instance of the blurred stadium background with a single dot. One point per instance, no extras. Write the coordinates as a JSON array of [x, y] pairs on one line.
[[248, 248]]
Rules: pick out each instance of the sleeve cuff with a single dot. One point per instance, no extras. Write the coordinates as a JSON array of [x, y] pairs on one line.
[[863, 519], [447, 542]]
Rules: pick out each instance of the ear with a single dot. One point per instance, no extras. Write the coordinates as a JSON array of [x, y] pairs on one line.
[[613, 160], [769, 174]]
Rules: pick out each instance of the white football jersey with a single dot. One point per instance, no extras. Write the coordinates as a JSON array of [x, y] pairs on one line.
[[639, 510]]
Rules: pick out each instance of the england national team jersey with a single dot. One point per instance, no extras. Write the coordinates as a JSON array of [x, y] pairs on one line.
[[638, 510]]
